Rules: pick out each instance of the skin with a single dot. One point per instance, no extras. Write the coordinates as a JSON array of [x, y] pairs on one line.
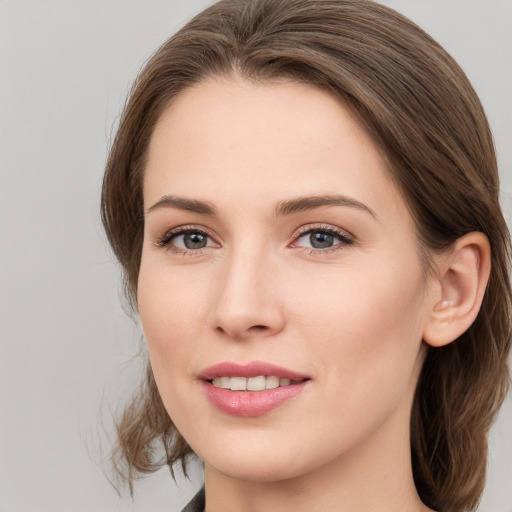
[[351, 316]]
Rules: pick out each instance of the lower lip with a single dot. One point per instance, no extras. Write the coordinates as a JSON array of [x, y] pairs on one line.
[[250, 403]]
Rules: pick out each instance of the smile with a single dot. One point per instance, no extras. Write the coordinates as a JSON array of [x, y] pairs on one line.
[[252, 389], [258, 383]]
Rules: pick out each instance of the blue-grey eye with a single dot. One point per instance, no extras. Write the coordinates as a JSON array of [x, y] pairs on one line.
[[195, 240], [321, 240], [192, 240]]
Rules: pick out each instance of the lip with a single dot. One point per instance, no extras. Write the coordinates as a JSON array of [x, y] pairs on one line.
[[250, 403], [252, 369]]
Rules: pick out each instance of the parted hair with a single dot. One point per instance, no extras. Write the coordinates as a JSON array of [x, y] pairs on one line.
[[419, 107]]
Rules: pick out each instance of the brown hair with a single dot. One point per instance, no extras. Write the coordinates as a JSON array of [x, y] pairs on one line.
[[418, 105]]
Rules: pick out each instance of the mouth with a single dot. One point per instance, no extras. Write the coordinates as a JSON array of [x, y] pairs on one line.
[[253, 389], [258, 383], [254, 369]]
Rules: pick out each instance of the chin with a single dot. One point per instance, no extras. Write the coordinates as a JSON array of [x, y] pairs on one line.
[[264, 461], [256, 470]]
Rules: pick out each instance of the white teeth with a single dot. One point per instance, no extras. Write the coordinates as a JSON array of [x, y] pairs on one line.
[[238, 383], [222, 382], [250, 384], [272, 382], [256, 383]]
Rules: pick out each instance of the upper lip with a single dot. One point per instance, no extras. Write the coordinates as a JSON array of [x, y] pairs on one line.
[[252, 369]]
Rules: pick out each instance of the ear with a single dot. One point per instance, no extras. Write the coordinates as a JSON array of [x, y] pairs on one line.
[[464, 273]]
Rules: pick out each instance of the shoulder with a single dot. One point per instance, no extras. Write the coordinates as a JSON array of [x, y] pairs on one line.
[[197, 503]]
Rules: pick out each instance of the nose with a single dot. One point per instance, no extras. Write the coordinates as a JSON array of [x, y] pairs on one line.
[[248, 298]]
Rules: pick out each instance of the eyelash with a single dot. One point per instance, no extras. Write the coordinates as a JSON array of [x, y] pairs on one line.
[[344, 239], [165, 241]]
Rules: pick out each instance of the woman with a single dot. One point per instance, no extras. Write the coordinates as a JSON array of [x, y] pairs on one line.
[[304, 199]]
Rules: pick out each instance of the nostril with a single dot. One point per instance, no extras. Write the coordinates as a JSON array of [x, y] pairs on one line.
[[253, 330], [258, 328]]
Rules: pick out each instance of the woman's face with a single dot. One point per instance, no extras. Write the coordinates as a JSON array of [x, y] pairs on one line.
[[276, 246]]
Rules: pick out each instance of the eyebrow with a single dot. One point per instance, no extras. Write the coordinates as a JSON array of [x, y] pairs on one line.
[[283, 208], [182, 203], [306, 203]]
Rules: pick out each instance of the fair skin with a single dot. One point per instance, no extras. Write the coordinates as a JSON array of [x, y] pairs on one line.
[[333, 289]]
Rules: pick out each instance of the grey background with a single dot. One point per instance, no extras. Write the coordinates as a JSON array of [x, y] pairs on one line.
[[67, 352]]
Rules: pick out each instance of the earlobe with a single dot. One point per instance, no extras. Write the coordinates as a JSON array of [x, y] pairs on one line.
[[463, 279]]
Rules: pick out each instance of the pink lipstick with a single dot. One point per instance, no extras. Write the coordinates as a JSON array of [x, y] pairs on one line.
[[252, 389]]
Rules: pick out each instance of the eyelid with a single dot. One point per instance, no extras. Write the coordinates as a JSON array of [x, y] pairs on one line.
[[346, 237], [165, 240], [309, 228]]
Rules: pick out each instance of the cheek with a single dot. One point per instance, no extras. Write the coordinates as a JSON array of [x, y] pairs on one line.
[[357, 300], [367, 322], [170, 298], [169, 309], [169, 312]]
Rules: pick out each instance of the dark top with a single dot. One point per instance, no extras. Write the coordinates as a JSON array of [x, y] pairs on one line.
[[196, 504]]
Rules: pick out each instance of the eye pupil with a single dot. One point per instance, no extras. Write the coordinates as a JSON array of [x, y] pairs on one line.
[[194, 240], [321, 240]]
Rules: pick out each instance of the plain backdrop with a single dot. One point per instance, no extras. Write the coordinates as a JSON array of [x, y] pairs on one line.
[[68, 352]]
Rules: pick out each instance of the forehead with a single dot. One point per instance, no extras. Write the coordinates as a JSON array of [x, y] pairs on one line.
[[227, 138]]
